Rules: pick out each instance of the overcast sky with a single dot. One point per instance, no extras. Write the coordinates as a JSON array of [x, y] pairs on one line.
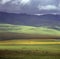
[[30, 6]]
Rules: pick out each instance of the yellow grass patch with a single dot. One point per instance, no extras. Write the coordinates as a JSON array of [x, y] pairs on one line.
[[26, 42]]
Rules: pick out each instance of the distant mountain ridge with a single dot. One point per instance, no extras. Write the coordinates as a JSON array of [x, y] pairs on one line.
[[49, 20]]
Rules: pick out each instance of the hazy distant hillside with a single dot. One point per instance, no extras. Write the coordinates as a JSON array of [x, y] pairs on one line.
[[30, 20]]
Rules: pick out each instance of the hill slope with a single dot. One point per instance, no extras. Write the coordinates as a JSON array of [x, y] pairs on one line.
[[8, 31]]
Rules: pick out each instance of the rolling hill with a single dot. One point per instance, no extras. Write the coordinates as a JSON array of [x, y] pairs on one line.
[[24, 26], [8, 31]]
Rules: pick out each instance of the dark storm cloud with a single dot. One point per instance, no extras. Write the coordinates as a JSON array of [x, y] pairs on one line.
[[30, 6]]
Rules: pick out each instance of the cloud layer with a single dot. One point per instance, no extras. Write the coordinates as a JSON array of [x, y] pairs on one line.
[[4, 1], [30, 6], [47, 7]]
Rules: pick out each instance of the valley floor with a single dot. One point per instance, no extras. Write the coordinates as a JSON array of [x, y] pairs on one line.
[[31, 49]]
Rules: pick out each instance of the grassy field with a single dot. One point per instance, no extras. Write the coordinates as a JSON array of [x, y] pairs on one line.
[[44, 30], [11, 49], [31, 41], [9, 31], [30, 51]]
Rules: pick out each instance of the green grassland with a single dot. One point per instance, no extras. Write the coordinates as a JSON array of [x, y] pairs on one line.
[[13, 34], [9, 31], [43, 51], [30, 51], [28, 29], [53, 48]]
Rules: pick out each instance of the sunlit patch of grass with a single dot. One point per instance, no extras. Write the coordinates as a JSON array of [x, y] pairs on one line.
[[30, 42], [28, 29]]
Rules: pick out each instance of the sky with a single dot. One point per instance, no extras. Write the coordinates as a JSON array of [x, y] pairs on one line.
[[30, 6]]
